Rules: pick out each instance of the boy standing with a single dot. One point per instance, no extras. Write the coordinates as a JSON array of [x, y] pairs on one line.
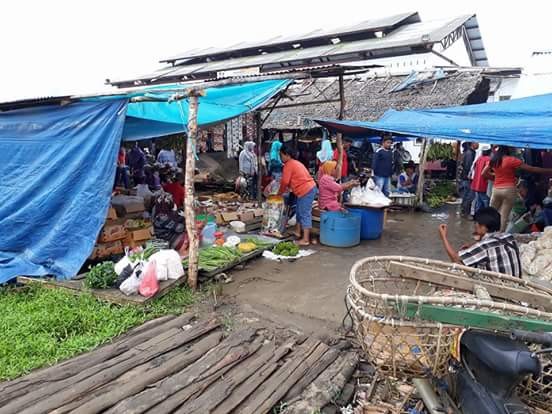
[[382, 165]]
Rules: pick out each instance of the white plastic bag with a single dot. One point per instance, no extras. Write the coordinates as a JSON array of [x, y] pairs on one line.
[[130, 286], [169, 264], [121, 264]]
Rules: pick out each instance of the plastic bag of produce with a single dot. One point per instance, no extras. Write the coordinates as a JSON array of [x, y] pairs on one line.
[[130, 285], [169, 264], [149, 285], [274, 219]]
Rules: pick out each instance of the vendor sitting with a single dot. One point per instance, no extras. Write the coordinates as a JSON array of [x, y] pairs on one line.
[[329, 190], [494, 251], [526, 211], [408, 180]]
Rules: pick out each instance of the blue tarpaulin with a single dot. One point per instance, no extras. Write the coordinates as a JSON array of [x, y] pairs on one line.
[[524, 123], [152, 119], [57, 165]]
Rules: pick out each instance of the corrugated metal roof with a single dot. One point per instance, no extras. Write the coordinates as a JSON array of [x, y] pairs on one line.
[[367, 26]]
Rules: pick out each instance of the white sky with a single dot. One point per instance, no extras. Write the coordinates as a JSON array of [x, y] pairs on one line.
[[61, 47]]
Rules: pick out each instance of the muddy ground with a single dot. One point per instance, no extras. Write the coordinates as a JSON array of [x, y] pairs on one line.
[[308, 295]]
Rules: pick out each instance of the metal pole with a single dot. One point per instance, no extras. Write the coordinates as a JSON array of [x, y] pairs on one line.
[[421, 171], [189, 213]]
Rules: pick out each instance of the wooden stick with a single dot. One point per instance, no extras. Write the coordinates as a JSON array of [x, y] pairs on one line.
[[189, 212], [421, 172], [249, 386], [57, 394], [326, 387], [169, 386], [274, 389], [139, 378], [467, 284]]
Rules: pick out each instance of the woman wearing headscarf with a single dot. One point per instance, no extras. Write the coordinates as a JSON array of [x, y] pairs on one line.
[[275, 164], [249, 167], [329, 190]]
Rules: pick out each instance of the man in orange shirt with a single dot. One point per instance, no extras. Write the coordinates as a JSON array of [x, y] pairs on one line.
[[297, 178]]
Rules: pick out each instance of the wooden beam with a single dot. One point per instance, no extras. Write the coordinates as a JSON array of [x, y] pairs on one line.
[[189, 212], [465, 283], [259, 125], [473, 318], [421, 172]]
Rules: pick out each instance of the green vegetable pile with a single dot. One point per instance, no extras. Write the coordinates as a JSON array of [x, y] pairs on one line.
[[143, 255], [440, 194], [288, 249], [41, 326], [213, 258], [440, 151], [260, 243], [101, 276]]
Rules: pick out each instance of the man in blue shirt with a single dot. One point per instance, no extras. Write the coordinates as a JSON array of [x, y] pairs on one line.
[[382, 165]]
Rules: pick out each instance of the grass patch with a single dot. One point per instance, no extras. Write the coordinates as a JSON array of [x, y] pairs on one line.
[[41, 326]]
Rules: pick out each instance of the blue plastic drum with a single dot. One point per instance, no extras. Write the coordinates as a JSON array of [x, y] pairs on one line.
[[339, 229], [371, 222]]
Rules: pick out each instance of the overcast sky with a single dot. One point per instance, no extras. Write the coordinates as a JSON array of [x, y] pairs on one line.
[[63, 47]]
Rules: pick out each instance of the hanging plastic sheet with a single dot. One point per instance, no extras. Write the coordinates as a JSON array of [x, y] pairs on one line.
[[525, 123], [57, 165]]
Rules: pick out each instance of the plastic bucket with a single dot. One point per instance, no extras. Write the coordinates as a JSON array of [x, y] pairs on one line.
[[371, 222], [208, 234], [339, 229]]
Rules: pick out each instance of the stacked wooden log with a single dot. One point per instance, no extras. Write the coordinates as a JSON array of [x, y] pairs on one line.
[[179, 365]]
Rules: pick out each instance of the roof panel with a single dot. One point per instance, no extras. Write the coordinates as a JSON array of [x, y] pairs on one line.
[[365, 26]]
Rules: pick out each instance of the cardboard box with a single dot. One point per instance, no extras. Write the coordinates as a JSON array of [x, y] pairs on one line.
[[247, 216], [127, 204], [107, 249], [141, 234], [111, 214], [229, 216], [112, 232], [128, 242], [258, 212]]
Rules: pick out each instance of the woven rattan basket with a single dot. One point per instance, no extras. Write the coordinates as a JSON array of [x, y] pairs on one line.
[[538, 392], [387, 295]]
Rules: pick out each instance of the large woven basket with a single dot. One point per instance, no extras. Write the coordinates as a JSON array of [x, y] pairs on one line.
[[538, 392], [383, 291]]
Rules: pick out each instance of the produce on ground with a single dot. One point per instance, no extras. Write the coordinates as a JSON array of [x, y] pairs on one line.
[[213, 258], [101, 276], [42, 326], [440, 151], [260, 243], [440, 194], [536, 256], [288, 249]]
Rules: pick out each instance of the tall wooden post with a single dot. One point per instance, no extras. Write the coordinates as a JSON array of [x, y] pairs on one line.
[[259, 124], [189, 212], [339, 137], [421, 171]]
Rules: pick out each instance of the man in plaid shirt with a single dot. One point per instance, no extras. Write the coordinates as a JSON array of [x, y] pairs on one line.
[[494, 251]]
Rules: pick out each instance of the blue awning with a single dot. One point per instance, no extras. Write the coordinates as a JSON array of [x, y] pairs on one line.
[[524, 123], [152, 119]]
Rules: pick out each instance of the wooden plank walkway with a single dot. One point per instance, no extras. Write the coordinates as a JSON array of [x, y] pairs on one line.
[[176, 364]]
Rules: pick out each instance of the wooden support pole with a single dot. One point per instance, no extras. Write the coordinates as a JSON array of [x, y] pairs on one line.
[[189, 212], [421, 177], [339, 137], [259, 124]]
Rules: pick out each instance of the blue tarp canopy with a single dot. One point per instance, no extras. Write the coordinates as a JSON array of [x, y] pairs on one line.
[[57, 167], [151, 119], [523, 123]]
